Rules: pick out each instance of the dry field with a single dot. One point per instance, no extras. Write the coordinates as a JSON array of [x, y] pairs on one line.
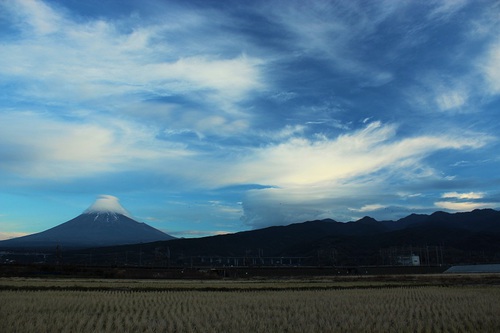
[[245, 306]]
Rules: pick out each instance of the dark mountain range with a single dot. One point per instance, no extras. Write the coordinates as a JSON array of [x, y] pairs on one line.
[[477, 220], [103, 224], [437, 238]]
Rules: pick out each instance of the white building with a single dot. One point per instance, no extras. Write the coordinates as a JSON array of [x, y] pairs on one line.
[[411, 260]]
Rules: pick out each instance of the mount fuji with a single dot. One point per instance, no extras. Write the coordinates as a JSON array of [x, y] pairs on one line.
[[104, 223]]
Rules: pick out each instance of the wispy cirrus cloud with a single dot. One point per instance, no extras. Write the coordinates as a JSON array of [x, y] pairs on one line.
[[61, 60], [461, 80], [445, 9], [324, 30]]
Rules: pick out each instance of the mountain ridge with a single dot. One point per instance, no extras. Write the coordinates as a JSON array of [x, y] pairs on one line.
[[467, 237]]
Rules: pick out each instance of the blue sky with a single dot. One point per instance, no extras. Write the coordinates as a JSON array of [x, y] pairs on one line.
[[207, 117]]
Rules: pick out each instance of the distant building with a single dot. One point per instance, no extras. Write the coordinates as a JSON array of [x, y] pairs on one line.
[[411, 260], [487, 268]]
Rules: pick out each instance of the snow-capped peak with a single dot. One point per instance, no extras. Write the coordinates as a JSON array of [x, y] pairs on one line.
[[107, 204]]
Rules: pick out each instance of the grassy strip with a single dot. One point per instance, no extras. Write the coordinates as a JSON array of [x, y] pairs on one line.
[[210, 289], [360, 282]]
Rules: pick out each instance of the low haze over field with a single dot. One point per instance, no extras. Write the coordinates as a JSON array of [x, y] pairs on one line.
[[207, 117]]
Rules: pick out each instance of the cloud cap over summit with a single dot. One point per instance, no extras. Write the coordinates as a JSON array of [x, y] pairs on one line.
[[106, 203]]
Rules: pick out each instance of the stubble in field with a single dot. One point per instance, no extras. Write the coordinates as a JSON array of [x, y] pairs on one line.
[[404, 309]]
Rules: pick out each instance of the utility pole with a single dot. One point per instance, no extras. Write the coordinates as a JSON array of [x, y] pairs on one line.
[[441, 248]]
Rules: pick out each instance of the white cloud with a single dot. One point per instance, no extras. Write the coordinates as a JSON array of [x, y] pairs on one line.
[[409, 195], [491, 68], [287, 132], [451, 100], [34, 145], [445, 93], [468, 196], [463, 206], [231, 77], [369, 208], [41, 18]]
